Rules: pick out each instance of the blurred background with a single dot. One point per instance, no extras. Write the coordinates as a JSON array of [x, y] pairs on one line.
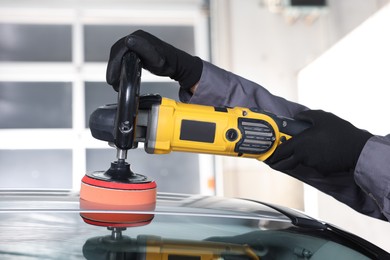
[[331, 54]]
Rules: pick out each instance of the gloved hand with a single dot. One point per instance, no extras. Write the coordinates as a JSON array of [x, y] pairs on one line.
[[325, 156], [157, 56], [330, 145]]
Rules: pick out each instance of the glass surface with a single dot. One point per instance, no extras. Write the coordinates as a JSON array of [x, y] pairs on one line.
[[184, 227], [99, 93], [35, 105], [164, 169], [35, 200], [98, 39], [35, 42], [41, 169]]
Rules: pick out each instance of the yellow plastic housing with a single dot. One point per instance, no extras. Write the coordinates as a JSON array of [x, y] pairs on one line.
[[167, 129]]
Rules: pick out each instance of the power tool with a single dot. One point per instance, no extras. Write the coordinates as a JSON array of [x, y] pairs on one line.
[[164, 125]]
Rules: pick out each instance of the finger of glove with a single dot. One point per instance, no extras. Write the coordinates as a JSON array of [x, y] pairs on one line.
[[287, 155], [309, 116], [285, 164], [283, 151], [163, 59], [150, 49], [114, 63]]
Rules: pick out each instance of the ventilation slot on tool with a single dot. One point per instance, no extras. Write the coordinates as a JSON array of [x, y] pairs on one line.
[[257, 136]]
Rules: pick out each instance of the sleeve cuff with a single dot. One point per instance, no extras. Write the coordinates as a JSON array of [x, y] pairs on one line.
[[372, 172]]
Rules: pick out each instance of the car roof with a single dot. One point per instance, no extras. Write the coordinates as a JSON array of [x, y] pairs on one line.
[[182, 216], [167, 203]]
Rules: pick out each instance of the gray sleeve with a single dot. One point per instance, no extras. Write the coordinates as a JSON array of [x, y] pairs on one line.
[[372, 172], [218, 87]]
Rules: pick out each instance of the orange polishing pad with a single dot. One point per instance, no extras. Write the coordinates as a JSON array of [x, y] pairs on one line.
[[104, 194]]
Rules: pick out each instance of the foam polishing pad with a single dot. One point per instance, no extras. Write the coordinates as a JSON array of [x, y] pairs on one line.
[[108, 201]]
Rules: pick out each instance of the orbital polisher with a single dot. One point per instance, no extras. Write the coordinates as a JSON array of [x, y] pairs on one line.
[[164, 125]]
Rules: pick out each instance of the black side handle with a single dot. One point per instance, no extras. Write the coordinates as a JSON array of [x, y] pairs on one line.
[[291, 126], [288, 126], [128, 99]]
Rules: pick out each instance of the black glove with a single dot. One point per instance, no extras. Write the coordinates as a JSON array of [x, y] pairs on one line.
[[330, 145], [325, 156], [157, 56]]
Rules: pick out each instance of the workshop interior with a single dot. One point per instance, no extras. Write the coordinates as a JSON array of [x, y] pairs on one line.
[[95, 151]]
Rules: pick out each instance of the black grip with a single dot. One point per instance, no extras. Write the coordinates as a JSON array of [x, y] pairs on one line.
[[128, 98], [288, 126], [291, 126]]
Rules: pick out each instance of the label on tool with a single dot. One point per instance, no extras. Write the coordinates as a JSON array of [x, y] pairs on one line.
[[197, 131]]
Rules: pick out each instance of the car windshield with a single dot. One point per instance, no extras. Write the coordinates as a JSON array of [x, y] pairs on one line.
[[40, 225]]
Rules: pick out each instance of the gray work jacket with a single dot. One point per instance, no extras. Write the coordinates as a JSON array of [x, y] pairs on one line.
[[367, 190]]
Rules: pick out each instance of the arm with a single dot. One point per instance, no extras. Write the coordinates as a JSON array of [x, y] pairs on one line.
[[218, 87], [372, 171]]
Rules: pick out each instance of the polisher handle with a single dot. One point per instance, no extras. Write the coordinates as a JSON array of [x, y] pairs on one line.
[[128, 98]]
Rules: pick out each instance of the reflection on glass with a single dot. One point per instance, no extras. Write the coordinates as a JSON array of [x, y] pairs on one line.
[[118, 246]]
